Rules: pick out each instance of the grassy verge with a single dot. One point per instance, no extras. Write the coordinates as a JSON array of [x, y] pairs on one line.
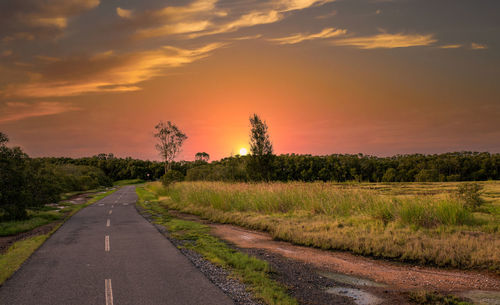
[[15, 256], [432, 298], [195, 236], [420, 223]]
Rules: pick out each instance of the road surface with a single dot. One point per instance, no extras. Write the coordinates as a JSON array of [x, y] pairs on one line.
[[109, 254]]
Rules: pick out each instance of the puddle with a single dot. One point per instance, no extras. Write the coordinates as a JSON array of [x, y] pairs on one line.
[[284, 250], [349, 279], [483, 297], [359, 297], [246, 237]]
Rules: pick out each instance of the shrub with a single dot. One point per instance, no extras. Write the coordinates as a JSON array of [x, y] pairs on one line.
[[172, 176], [470, 195]]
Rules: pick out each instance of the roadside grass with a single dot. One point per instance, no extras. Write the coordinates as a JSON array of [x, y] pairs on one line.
[[421, 222], [196, 236], [433, 298], [128, 182], [20, 251], [36, 219], [17, 254], [45, 215]]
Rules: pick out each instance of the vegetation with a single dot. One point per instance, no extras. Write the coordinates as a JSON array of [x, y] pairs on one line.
[[31, 183], [170, 140], [195, 236], [17, 254], [429, 298], [424, 223]]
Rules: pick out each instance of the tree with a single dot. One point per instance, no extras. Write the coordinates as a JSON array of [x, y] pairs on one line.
[[261, 150], [202, 157], [170, 142], [260, 144], [3, 139]]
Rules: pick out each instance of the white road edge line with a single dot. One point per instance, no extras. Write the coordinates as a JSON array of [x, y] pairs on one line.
[[106, 243], [108, 292], [110, 211], [107, 223]]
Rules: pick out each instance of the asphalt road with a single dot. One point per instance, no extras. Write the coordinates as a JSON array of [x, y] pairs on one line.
[[109, 254]]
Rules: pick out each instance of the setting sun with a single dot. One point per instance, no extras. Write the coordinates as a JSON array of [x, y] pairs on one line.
[[243, 151]]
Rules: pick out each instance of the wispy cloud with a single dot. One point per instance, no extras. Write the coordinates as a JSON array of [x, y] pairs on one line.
[[478, 46], [387, 41], [299, 37], [15, 111], [30, 19], [208, 17], [451, 46], [104, 72]]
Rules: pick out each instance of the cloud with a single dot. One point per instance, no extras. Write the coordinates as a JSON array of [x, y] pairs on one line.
[[15, 111], [124, 13], [257, 36], [299, 37], [328, 15], [451, 46], [478, 46], [387, 41], [104, 72], [171, 19], [6, 53], [207, 17], [30, 19]]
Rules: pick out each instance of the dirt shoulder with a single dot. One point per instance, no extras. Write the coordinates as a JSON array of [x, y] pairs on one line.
[[402, 276]]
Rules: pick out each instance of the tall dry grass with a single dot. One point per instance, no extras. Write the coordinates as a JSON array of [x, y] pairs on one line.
[[429, 229]]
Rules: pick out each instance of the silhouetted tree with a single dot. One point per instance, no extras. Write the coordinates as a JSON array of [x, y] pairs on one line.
[[202, 157], [170, 142], [261, 150]]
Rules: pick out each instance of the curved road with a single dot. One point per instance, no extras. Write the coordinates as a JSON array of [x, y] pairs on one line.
[[109, 254]]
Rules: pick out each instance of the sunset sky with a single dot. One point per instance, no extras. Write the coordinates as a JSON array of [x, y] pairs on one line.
[[380, 77]]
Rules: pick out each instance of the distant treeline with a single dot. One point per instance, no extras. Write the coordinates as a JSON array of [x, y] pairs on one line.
[[459, 166]]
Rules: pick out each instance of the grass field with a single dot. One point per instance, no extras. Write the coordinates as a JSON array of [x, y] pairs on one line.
[[418, 222]]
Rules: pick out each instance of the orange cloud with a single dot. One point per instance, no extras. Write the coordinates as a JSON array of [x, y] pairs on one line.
[[478, 46], [104, 72], [451, 46], [15, 111], [27, 19], [299, 37], [387, 41]]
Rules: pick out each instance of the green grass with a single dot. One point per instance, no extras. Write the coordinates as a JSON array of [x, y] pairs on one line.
[[17, 254], [421, 222], [196, 236], [127, 182], [37, 219], [432, 298]]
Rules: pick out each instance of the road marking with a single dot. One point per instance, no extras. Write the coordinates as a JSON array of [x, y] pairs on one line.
[[101, 204], [107, 223], [125, 204], [112, 206], [110, 211], [106, 243], [108, 291]]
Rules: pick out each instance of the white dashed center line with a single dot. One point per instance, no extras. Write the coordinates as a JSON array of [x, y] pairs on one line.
[[106, 243], [108, 291], [107, 223], [110, 211]]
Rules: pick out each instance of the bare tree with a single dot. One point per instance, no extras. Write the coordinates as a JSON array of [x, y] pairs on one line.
[[170, 142]]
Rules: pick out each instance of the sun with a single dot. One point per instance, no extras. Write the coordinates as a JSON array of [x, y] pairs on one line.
[[243, 151]]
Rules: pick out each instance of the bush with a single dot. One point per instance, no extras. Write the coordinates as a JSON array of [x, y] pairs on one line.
[[172, 176], [470, 195]]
